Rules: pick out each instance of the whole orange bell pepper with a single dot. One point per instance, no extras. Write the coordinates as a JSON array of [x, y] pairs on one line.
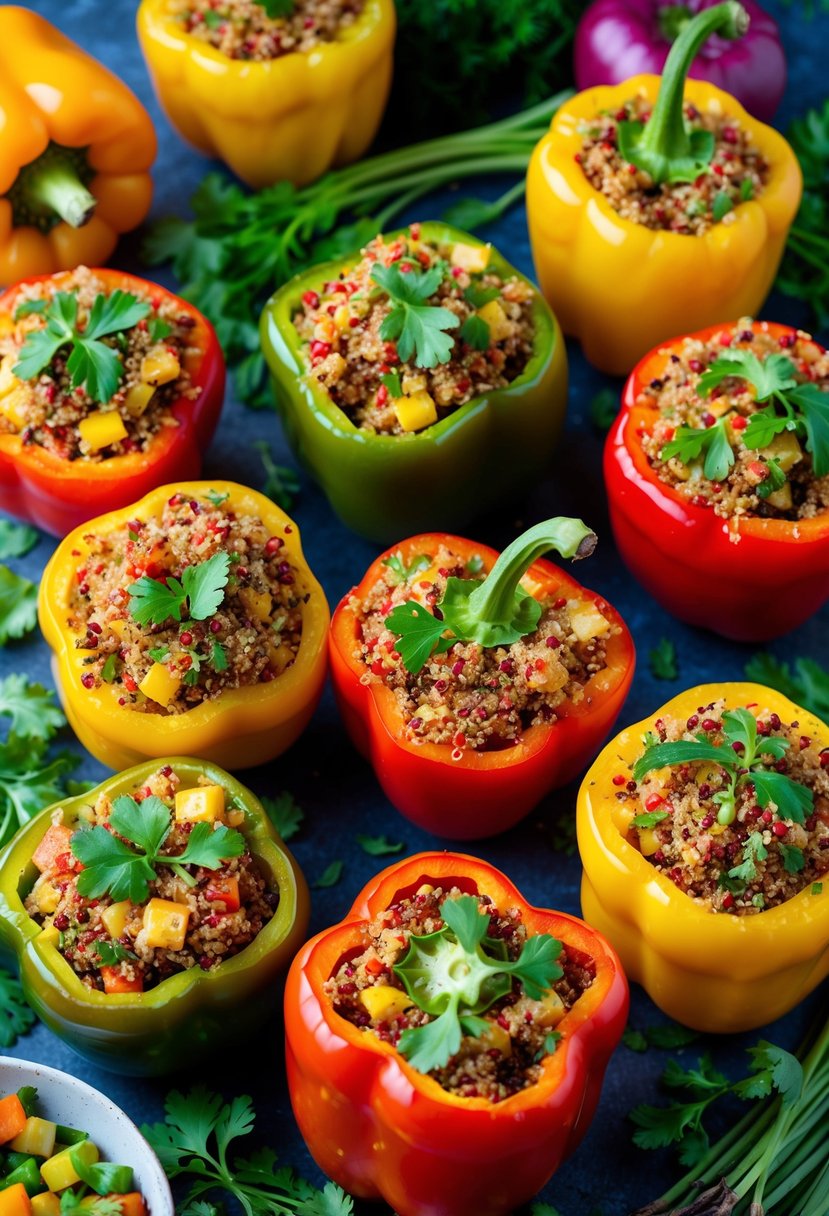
[[381, 1129], [76, 146], [619, 286]]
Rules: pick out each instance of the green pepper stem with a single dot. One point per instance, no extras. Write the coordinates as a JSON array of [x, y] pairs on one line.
[[55, 185], [665, 137], [672, 20], [493, 602]]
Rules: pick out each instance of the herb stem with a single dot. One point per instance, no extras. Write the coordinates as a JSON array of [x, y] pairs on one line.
[[55, 186]]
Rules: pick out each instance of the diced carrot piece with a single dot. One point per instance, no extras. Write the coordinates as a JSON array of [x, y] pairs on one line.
[[53, 844], [114, 981], [224, 889], [14, 1201], [12, 1118], [132, 1204]]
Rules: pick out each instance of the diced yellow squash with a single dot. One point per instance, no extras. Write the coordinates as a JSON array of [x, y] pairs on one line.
[[14, 405], [342, 317], [472, 258], [281, 656], [718, 406], [622, 816], [118, 627], [415, 412], [159, 366], [138, 398], [552, 1009], [58, 1172], [258, 603], [45, 1204], [115, 918], [159, 684], [37, 1138], [413, 384], [785, 449], [554, 676], [204, 803], [382, 1002], [649, 842], [782, 498], [48, 898], [14, 1201], [500, 326], [102, 428], [165, 924], [7, 324], [495, 1037], [586, 621], [7, 377]]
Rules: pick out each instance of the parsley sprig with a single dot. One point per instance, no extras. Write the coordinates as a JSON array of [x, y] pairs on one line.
[[742, 766], [112, 867], [805, 682], [92, 364], [457, 973], [199, 592], [16, 1016], [496, 611], [420, 329]]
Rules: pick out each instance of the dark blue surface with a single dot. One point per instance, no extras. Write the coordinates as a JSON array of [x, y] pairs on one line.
[[336, 789]]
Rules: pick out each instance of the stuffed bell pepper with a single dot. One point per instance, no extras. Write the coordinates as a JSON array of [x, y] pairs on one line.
[[717, 475], [76, 148], [704, 835], [446, 1043], [151, 917], [658, 206], [475, 683], [109, 386], [282, 89], [190, 622], [421, 380]]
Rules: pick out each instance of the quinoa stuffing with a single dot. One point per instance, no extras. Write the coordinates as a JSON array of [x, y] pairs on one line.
[[88, 372], [242, 29], [741, 423], [737, 172], [177, 609], [192, 913], [414, 330], [474, 696], [738, 835], [517, 1031]]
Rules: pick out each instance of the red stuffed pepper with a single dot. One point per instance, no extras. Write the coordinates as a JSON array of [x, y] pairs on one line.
[[474, 683], [446, 1043], [109, 387], [717, 474]]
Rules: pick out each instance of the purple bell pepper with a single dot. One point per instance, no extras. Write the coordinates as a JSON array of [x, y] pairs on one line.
[[617, 39]]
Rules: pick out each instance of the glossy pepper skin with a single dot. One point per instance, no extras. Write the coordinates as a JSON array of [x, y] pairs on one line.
[[383, 1130], [617, 39], [58, 495], [288, 118], [487, 791], [188, 1015], [622, 288], [240, 728], [386, 486], [52, 92], [750, 580], [715, 972]]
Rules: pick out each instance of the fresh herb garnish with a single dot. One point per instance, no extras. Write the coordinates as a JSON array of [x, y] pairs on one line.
[[774, 480], [194, 1142], [216, 498], [477, 295], [494, 612], [379, 846], [331, 875], [648, 819], [16, 540], [199, 592], [110, 668], [604, 406], [158, 329], [392, 383], [16, 1016], [753, 851], [742, 766], [475, 332], [665, 1038], [805, 682], [793, 858], [663, 662], [72, 1203], [403, 572], [418, 328], [455, 975], [721, 204], [18, 605], [691, 442], [111, 953], [91, 364], [475, 565], [804, 273], [281, 482], [278, 8], [112, 867], [103, 1177], [218, 657], [285, 814], [30, 308], [31, 708]]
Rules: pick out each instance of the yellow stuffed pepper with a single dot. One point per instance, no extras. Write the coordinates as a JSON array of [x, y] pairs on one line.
[[659, 206], [704, 836], [188, 622], [278, 93]]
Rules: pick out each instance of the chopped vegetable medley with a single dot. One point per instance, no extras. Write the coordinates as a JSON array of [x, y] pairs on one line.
[[243, 29]]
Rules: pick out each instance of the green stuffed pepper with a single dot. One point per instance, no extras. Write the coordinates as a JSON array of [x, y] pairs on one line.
[[151, 917], [421, 380]]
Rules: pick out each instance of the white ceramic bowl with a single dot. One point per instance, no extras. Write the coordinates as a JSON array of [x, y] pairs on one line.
[[65, 1099]]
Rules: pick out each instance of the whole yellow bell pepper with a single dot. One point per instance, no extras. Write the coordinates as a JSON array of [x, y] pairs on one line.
[[717, 972], [240, 727], [287, 118], [76, 148], [622, 288]]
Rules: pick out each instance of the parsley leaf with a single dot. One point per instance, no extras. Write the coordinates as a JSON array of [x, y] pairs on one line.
[[775, 479], [379, 846], [477, 295], [29, 781], [753, 851], [663, 660], [111, 953], [420, 634], [793, 858], [721, 204], [278, 8], [691, 442], [31, 707], [18, 605], [16, 1018], [666, 1038], [648, 819], [110, 668], [202, 587], [159, 329], [331, 875], [216, 498], [30, 308], [404, 573], [285, 814], [392, 383], [418, 328], [475, 332], [281, 482], [218, 657], [16, 540], [806, 682]]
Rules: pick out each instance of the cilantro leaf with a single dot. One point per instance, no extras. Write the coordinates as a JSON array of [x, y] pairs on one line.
[[793, 801], [159, 329], [689, 443], [475, 332], [110, 866], [793, 859], [774, 1068], [648, 819], [208, 845], [753, 851], [285, 814], [216, 498], [477, 295], [806, 682], [418, 328], [16, 1018], [663, 660], [203, 585], [392, 383], [331, 875], [404, 573], [432, 1045], [379, 846], [18, 605], [16, 540], [29, 781], [218, 657], [111, 953], [775, 479], [154, 602], [813, 404], [721, 204], [42, 345], [762, 428], [29, 308], [420, 633], [31, 708], [775, 374]]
